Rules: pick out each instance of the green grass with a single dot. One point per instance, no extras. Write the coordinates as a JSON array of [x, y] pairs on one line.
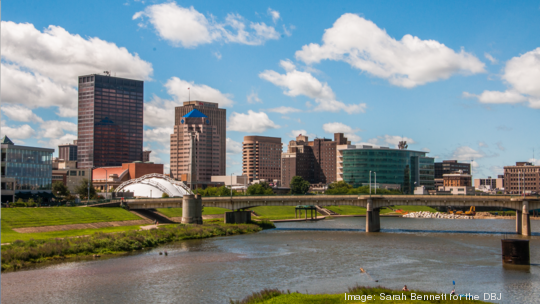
[[38, 217], [415, 208], [347, 210], [177, 212], [365, 295], [278, 212], [9, 236]]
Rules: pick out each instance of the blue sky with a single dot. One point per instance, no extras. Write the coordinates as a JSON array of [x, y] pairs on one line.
[[458, 79]]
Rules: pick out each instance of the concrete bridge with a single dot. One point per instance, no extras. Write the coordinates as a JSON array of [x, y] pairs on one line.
[[372, 203]]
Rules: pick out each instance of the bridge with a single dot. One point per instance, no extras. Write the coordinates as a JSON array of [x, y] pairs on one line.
[[372, 203]]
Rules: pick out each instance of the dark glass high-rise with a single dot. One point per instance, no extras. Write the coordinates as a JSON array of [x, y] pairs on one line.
[[110, 121]]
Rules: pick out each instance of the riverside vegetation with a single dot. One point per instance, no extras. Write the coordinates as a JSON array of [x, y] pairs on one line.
[[22, 254], [275, 296]]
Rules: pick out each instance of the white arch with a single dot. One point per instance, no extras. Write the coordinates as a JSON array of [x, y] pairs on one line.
[[154, 185]]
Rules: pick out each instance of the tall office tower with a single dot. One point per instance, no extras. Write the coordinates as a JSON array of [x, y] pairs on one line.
[[195, 137], [68, 152], [218, 118], [261, 158], [110, 127]]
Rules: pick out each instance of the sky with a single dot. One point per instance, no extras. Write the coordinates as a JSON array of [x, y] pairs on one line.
[[457, 79]]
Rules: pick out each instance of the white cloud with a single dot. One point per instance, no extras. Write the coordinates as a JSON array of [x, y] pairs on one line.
[[426, 150], [20, 132], [159, 112], [274, 14], [482, 144], [54, 142], [19, 113], [179, 89], [158, 135], [521, 74], [303, 83], [500, 146], [497, 170], [40, 68], [535, 161], [55, 128], [295, 133], [253, 97], [466, 154], [252, 122], [186, 27], [408, 62], [233, 147], [394, 140], [491, 58], [284, 110], [337, 127]]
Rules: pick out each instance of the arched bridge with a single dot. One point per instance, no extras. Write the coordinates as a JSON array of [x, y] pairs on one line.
[[373, 203]]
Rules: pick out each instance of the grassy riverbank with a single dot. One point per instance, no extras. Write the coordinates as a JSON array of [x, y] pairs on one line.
[[21, 254], [177, 212], [274, 296]]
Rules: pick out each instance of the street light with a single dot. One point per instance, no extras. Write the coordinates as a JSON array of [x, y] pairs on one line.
[[375, 182], [89, 181], [231, 186], [369, 183]]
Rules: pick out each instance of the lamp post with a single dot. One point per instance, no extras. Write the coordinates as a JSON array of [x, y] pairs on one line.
[[231, 186], [106, 183], [375, 182], [89, 181], [369, 183]]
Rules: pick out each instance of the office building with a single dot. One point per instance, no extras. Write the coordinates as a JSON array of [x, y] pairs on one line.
[[68, 152], [69, 174], [217, 117], [449, 166], [196, 147], [261, 158], [490, 183], [146, 156], [110, 125], [315, 161], [395, 168], [30, 167], [523, 178]]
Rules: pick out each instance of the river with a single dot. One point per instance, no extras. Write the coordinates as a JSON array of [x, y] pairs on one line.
[[324, 258]]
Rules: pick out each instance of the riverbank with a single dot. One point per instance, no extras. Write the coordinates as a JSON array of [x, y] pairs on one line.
[[21, 254], [357, 294]]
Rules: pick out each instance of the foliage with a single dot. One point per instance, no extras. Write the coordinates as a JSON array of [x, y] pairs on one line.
[[299, 185], [262, 188], [59, 189], [20, 254], [164, 195], [82, 189], [216, 191], [342, 187], [260, 296], [18, 203]]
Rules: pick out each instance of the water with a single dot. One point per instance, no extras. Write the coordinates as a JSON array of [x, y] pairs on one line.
[[315, 261]]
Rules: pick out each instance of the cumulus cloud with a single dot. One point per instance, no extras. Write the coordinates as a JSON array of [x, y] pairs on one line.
[[482, 144], [394, 140], [253, 122], [233, 147], [466, 154], [298, 83], [40, 68], [56, 129], [535, 161], [284, 110], [491, 58], [54, 142], [337, 127], [274, 14], [188, 28], [20, 132], [521, 75], [159, 135], [19, 113], [295, 133], [159, 112], [179, 89], [408, 62], [253, 97]]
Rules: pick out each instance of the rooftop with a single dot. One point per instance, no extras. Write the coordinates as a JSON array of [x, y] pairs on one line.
[[195, 114]]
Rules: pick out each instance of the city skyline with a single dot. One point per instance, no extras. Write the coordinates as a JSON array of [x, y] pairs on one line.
[[453, 81]]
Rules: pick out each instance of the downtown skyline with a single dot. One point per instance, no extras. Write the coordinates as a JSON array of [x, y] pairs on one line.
[[447, 78]]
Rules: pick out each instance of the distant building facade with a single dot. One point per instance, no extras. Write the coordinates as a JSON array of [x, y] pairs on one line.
[[457, 179], [217, 117], [69, 174], [68, 152], [523, 178], [261, 158], [30, 167], [449, 166], [396, 168], [314, 161], [110, 121], [490, 183], [196, 141], [146, 156]]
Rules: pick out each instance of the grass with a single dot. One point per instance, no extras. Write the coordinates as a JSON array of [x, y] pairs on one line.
[[364, 295], [21, 254], [278, 212], [415, 208], [177, 212], [38, 217]]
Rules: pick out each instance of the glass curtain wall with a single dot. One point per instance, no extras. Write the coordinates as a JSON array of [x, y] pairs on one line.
[[31, 168]]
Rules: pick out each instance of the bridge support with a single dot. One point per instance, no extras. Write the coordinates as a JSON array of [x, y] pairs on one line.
[[373, 222], [519, 217], [525, 219], [192, 209], [237, 217]]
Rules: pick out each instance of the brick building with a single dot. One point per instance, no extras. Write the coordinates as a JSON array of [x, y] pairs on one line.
[[457, 179], [523, 178], [261, 158]]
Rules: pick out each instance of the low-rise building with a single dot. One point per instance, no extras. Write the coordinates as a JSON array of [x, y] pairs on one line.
[[523, 178], [489, 183]]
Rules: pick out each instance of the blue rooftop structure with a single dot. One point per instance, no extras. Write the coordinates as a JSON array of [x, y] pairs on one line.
[[195, 114]]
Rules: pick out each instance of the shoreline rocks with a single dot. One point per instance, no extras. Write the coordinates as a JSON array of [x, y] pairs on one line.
[[439, 215]]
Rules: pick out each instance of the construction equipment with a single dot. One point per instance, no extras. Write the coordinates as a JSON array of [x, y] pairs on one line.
[[471, 211]]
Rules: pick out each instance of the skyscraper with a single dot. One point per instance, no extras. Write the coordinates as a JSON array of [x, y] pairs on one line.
[[217, 117], [110, 125], [261, 158], [196, 142]]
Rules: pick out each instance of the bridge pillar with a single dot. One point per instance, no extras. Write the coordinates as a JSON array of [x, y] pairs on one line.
[[519, 217], [191, 209], [525, 219], [372, 218]]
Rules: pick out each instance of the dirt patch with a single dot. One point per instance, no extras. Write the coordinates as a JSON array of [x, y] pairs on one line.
[[82, 226]]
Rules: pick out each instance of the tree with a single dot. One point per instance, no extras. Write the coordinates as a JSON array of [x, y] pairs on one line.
[[340, 187], [299, 185], [82, 190], [58, 188], [260, 189], [164, 195]]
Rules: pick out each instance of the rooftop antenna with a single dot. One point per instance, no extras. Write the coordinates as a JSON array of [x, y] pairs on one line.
[[189, 94]]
